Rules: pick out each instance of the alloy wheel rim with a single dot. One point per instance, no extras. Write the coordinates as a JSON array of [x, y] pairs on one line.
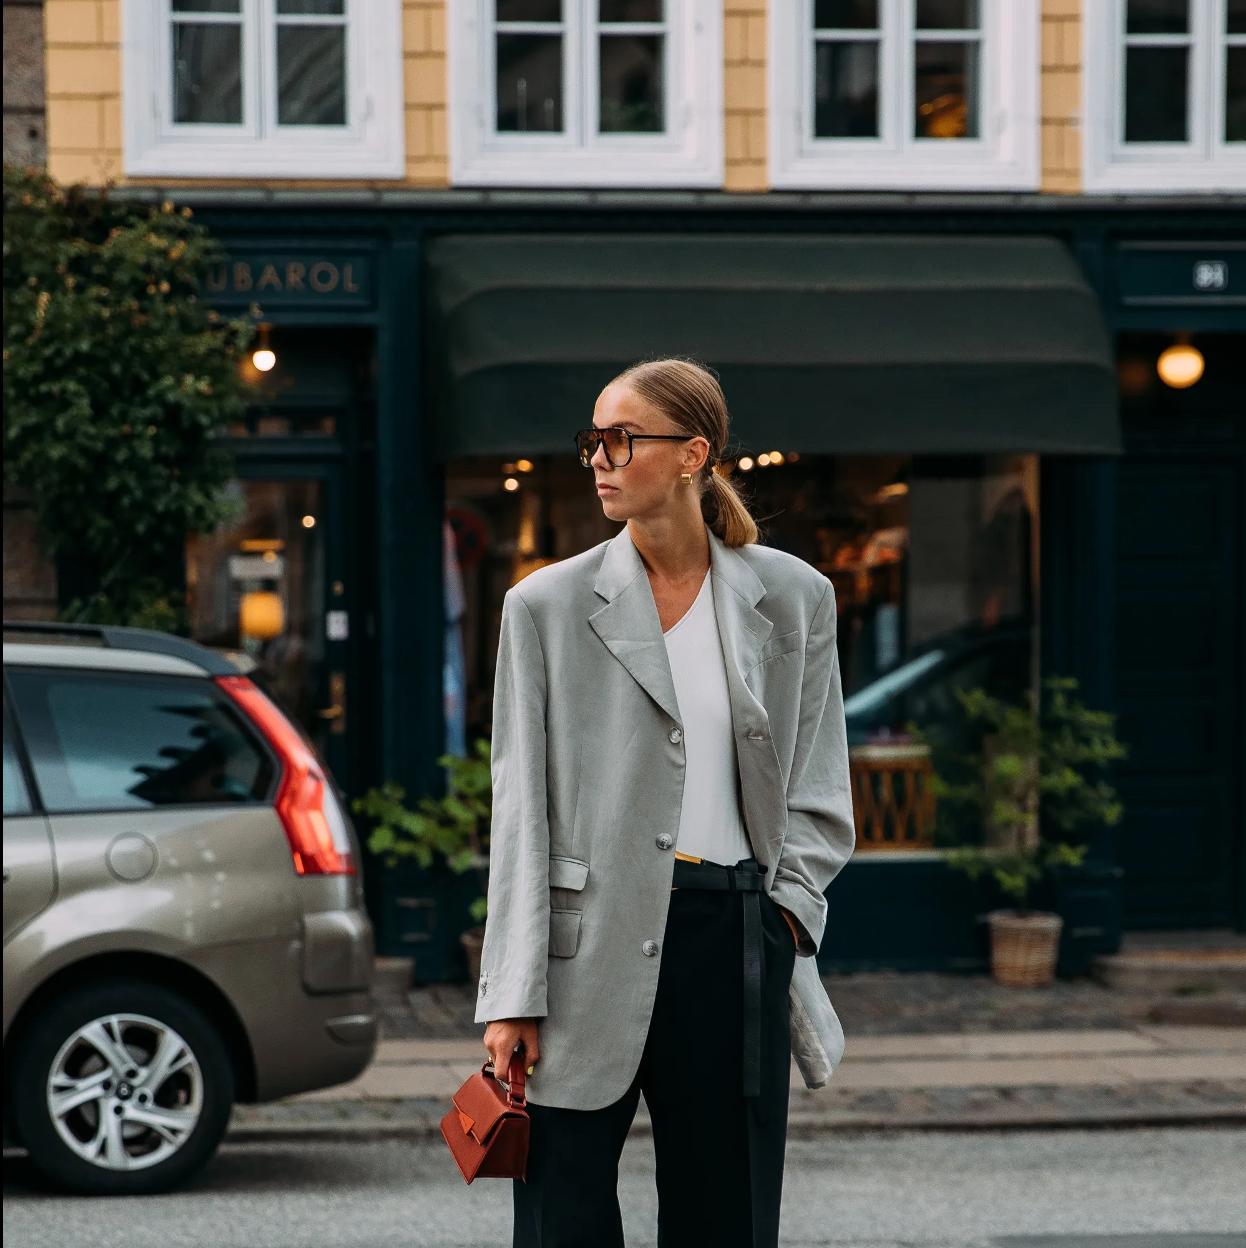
[[125, 1091]]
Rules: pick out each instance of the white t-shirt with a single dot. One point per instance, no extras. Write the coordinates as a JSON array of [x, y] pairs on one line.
[[710, 822]]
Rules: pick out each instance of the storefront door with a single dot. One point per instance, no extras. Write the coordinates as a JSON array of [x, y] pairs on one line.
[[275, 584], [1180, 620]]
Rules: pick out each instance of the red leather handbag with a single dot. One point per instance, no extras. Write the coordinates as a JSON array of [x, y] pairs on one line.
[[487, 1126]]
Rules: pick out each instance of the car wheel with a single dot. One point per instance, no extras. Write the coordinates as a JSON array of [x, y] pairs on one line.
[[121, 1088]]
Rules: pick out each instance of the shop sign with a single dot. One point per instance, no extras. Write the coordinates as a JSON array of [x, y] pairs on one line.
[[1181, 274], [285, 279]]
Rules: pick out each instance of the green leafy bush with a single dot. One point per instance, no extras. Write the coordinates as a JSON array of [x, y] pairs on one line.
[[453, 828], [1035, 784], [118, 382]]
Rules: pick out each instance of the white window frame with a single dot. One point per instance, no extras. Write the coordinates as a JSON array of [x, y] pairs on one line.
[[369, 146], [1205, 162], [689, 154], [1005, 156]]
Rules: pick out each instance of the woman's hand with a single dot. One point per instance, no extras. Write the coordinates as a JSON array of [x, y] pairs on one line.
[[791, 922], [501, 1037]]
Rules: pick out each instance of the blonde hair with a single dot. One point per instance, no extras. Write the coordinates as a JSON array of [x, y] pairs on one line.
[[687, 393]]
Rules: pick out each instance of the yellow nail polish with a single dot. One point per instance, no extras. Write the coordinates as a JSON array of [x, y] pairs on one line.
[[531, 1069]]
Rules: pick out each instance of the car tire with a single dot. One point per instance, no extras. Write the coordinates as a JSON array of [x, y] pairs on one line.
[[168, 1085]]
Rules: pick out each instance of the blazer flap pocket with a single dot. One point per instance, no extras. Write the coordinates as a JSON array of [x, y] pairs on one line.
[[781, 644], [564, 932], [567, 872]]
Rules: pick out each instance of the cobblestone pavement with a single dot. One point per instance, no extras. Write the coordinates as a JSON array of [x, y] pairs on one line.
[[1046, 1085], [893, 1003]]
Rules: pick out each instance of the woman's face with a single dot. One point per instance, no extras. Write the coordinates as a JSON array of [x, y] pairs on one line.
[[649, 483]]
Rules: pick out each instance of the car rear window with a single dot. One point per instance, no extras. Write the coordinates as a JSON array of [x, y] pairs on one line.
[[125, 741]]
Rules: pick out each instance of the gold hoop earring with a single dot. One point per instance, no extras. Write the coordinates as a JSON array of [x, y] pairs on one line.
[[686, 478]]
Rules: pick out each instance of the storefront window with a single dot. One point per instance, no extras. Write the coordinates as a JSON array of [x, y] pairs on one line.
[[933, 559], [258, 586]]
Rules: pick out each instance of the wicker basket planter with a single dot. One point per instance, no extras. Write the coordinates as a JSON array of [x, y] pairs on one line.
[[1024, 948]]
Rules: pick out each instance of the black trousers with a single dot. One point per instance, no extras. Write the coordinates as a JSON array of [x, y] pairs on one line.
[[719, 1155]]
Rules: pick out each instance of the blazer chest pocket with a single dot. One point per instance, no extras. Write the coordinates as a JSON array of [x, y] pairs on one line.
[[784, 643]]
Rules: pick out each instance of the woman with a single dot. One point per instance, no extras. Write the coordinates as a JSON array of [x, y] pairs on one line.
[[670, 803]]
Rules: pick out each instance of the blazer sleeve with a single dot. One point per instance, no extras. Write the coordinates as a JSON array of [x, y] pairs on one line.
[[821, 833], [513, 956]]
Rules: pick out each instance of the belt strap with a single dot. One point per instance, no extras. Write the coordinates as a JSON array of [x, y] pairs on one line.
[[747, 878]]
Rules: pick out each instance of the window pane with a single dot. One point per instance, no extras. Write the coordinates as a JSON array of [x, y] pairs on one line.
[[207, 73], [631, 83], [846, 90], [133, 742], [311, 75], [1235, 17], [629, 10], [1155, 95], [845, 14], [332, 7], [1235, 95], [945, 90], [207, 6], [947, 14], [16, 798], [1157, 17], [529, 82], [529, 10]]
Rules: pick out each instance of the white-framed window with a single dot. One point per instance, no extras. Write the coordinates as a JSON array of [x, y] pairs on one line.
[[586, 92], [262, 88], [904, 94], [1167, 109]]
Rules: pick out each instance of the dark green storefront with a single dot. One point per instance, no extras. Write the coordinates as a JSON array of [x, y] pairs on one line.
[[414, 328]]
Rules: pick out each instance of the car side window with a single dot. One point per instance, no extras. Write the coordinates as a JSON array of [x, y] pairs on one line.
[[935, 701], [16, 795], [103, 741]]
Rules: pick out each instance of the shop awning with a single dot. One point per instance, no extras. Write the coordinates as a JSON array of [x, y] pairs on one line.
[[846, 343]]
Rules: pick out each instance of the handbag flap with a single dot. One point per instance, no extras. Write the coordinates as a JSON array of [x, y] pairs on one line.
[[481, 1105]]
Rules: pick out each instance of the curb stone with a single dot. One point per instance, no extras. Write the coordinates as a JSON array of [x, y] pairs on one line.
[[1195, 1102], [798, 1127]]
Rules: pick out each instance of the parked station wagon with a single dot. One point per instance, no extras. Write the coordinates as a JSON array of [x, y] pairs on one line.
[[184, 925]]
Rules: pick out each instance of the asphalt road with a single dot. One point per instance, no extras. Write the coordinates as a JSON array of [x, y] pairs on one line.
[[1144, 1188]]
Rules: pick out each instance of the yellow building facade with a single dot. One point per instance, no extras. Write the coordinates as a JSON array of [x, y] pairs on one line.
[[85, 97]]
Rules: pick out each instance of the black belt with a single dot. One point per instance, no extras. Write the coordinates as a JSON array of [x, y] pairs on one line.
[[746, 877]]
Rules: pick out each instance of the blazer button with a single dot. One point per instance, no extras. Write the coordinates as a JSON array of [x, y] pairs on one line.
[[665, 841], [649, 948], [676, 734]]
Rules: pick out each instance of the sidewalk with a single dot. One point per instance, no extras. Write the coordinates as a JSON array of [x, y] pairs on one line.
[[1075, 1054]]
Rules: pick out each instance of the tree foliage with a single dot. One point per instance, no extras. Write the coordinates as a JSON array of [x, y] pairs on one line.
[[118, 382]]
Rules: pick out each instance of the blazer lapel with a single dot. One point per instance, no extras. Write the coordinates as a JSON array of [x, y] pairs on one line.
[[629, 627], [744, 630], [628, 624]]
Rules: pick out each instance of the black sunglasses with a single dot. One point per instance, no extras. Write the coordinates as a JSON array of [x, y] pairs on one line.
[[616, 442]]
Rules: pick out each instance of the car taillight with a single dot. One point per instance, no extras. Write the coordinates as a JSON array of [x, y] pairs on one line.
[[306, 804]]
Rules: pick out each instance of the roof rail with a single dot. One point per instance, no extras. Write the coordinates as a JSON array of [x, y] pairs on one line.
[[117, 637]]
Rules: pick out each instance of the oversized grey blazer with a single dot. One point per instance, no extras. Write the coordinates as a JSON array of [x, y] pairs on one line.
[[588, 775]]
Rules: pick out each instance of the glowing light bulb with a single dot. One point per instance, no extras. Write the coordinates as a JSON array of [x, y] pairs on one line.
[[264, 359], [1180, 366]]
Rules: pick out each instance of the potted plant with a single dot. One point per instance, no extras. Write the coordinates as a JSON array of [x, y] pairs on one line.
[[1037, 783], [452, 829]]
